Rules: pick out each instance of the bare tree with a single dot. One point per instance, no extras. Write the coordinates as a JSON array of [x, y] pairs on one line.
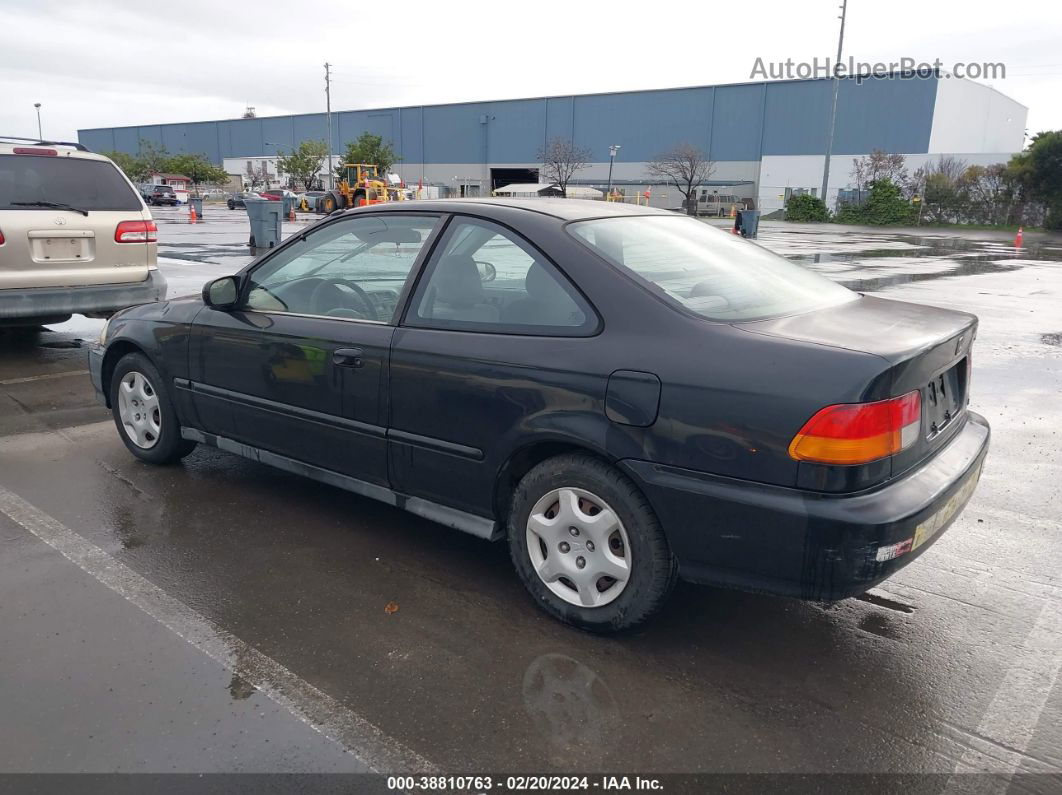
[[561, 159], [686, 166], [877, 165]]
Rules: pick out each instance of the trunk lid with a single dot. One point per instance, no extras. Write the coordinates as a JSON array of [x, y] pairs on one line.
[[922, 348]]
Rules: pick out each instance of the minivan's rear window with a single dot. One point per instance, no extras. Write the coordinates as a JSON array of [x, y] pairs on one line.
[[85, 184], [706, 270]]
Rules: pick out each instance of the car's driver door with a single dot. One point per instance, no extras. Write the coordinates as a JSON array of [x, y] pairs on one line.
[[299, 366]]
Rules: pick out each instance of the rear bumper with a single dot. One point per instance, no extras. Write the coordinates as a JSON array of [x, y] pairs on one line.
[[804, 544], [59, 301]]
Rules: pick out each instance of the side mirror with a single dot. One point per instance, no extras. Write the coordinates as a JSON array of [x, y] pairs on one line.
[[221, 293]]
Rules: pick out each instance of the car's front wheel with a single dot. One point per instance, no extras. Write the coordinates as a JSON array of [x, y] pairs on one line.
[[144, 413], [588, 546]]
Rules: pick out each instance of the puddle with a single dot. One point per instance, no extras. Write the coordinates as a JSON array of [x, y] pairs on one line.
[[1052, 339], [870, 262]]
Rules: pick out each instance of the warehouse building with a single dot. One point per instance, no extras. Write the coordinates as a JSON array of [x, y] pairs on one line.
[[767, 139]]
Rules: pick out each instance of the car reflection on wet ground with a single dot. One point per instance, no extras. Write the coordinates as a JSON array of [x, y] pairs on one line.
[[425, 635]]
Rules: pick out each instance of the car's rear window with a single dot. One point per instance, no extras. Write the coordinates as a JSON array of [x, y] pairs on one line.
[[85, 184], [706, 270]]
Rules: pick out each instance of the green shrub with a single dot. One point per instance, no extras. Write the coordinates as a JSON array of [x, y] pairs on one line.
[[884, 206], [806, 208]]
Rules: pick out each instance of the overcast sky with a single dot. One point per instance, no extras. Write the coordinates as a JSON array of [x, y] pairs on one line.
[[99, 63]]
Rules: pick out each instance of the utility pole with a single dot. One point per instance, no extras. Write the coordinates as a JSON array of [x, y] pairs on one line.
[[833, 109], [612, 150], [328, 115]]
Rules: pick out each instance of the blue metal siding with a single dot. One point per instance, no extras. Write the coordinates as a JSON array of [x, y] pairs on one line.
[[737, 122], [311, 127], [453, 134], [514, 130], [734, 123], [560, 118], [412, 150], [644, 123], [796, 117], [889, 113]]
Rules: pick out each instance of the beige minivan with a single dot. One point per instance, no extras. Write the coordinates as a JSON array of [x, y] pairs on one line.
[[75, 235]]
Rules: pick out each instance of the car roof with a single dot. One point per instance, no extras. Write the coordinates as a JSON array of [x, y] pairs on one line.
[[564, 209]]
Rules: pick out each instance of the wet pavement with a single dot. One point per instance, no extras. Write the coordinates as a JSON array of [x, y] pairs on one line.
[[210, 616]]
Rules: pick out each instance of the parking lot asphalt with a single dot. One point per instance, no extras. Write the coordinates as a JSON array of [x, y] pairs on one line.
[[221, 615]]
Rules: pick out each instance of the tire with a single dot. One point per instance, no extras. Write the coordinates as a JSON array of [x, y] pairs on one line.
[[231, 204], [160, 439], [330, 202], [637, 540]]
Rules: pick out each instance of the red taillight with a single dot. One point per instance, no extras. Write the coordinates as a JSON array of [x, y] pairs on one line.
[[33, 150], [136, 232], [857, 433], [1, 238]]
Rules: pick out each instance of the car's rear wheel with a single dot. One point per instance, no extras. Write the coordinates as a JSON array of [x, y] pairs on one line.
[[144, 413], [588, 546], [232, 204]]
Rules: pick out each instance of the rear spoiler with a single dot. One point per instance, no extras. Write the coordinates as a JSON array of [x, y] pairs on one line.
[[79, 147]]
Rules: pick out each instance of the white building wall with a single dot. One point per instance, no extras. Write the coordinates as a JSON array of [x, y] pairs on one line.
[[971, 118]]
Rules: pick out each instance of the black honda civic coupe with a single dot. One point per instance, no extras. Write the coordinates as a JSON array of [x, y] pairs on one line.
[[625, 395]]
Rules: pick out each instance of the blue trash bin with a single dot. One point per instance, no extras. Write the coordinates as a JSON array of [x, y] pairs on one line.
[[288, 203], [265, 218], [748, 223], [197, 203]]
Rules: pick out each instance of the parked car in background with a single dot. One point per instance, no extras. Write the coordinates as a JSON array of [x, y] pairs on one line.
[[719, 204], [278, 194], [236, 199], [75, 236], [625, 395], [159, 195]]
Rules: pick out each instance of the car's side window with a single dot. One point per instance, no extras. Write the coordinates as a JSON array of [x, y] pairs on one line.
[[483, 277], [354, 269]]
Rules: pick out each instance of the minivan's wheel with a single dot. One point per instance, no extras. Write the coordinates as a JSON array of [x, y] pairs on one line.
[[231, 204], [144, 413], [588, 546]]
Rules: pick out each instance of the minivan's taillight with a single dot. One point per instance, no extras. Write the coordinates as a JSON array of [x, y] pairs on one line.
[[33, 150], [857, 433], [136, 232], [1, 238]]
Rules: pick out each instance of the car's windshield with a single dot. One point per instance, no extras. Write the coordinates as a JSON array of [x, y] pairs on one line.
[[80, 182], [706, 270]]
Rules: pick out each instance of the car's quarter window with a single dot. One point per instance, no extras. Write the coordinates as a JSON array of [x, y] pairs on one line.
[[706, 270], [484, 277], [354, 268]]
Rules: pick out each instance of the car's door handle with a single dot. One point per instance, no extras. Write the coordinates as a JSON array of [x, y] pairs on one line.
[[348, 357]]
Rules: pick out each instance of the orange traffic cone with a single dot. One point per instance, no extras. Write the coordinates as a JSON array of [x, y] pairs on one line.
[[1018, 238], [291, 213], [192, 217]]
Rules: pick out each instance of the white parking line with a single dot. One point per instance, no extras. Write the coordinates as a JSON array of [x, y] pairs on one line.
[[363, 740], [1014, 712], [44, 377]]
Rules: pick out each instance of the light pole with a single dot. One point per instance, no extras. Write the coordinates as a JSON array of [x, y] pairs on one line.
[[40, 135], [612, 150]]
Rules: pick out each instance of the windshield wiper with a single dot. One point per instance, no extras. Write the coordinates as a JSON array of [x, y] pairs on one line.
[[56, 205]]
